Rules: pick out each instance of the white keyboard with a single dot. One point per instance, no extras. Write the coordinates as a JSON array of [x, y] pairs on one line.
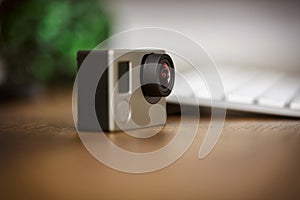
[[265, 91]]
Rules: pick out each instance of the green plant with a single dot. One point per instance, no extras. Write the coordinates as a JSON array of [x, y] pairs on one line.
[[39, 38]]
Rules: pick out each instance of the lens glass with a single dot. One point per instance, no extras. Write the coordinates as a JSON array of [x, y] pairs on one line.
[[165, 75]]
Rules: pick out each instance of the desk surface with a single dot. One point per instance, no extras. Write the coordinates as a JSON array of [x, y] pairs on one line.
[[257, 157]]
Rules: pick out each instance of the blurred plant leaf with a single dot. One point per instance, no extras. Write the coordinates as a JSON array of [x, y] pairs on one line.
[[39, 39]]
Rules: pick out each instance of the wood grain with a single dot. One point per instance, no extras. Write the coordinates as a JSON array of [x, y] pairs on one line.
[[42, 157]]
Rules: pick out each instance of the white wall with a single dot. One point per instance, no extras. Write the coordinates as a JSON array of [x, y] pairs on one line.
[[249, 33]]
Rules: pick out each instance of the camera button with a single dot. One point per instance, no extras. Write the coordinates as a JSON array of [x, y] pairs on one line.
[[124, 111]]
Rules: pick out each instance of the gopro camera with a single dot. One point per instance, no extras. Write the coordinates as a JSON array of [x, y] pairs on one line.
[[130, 93]]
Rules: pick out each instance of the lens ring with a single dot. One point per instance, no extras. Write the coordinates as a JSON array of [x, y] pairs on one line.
[[157, 75], [166, 84]]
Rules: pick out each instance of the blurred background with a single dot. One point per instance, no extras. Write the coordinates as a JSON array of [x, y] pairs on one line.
[[246, 33], [257, 157], [39, 39]]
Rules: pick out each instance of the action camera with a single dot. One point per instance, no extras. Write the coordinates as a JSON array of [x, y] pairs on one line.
[[131, 90]]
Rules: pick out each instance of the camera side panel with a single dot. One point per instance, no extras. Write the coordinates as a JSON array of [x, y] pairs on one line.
[[96, 64]]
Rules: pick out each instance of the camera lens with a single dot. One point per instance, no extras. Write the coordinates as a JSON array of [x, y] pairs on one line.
[[157, 75]]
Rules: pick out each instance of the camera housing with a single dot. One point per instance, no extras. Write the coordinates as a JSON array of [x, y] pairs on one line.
[[131, 91]]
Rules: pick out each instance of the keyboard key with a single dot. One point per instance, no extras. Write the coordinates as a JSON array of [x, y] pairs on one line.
[[295, 104], [281, 93], [248, 92], [198, 85], [181, 87], [234, 80]]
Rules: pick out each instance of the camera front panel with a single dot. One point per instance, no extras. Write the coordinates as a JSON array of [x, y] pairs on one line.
[[128, 107]]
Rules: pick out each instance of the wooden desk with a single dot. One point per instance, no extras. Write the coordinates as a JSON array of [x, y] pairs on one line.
[[42, 157]]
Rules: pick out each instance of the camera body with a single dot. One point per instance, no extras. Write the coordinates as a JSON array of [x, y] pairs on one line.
[[131, 91]]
